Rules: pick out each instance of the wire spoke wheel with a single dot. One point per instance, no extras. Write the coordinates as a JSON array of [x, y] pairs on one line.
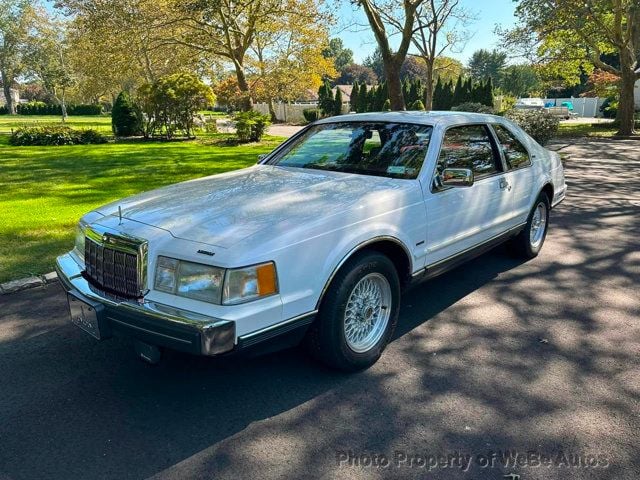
[[367, 312], [538, 225]]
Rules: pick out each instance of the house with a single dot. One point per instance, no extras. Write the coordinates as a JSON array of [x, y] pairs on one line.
[[15, 94], [637, 95]]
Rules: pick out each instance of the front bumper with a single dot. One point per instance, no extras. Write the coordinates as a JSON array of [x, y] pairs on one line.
[[150, 322]]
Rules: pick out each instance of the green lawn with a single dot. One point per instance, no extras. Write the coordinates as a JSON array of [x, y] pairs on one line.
[[586, 130], [45, 190]]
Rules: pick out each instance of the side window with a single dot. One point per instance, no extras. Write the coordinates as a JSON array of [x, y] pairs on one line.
[[515, 153], [469, 147]]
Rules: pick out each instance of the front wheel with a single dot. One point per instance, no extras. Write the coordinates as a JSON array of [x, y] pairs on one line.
[[527, 244], [358, 313]]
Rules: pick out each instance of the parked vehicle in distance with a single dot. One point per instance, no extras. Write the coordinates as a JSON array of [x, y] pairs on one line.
[[316, 242], [530, 104]]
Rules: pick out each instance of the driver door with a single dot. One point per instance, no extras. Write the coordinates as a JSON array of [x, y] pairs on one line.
[[461, 218]]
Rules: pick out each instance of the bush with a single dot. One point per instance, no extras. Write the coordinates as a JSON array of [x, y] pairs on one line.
[[251, 125], [473, 108], [47, 135], [609, 108], [126, 118], [417, 105], [171, 104], [311, 114], [539, 124]]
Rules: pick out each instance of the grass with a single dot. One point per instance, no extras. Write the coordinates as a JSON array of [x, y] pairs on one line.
[[603, 130], [45, 190]]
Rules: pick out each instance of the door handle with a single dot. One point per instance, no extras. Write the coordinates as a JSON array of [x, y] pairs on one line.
[[505, 185]]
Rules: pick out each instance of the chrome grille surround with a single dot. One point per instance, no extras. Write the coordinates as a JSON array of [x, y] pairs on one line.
[[116, 262]]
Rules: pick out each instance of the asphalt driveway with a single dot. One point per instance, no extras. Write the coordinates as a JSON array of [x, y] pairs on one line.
[[539, 359]]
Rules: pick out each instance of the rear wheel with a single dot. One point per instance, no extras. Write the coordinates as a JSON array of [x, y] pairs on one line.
[[527, 244], [358, 314]]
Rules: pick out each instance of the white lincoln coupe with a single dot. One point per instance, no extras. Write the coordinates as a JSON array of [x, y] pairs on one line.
[[316, 242]]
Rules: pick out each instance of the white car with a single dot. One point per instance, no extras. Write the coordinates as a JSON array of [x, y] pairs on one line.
[[316, 241]]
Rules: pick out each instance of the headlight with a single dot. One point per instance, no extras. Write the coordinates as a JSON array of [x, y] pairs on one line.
[[249, 283], [188, 279], [213, 284], [79, 245]]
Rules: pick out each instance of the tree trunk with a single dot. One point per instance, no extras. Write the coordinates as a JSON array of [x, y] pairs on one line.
[[428, 89], [626, 107], [272, 111], [392, 74], [243, 85], [6, 87]]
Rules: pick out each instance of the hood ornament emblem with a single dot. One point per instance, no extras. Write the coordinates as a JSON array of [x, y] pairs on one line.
[[120, 214]]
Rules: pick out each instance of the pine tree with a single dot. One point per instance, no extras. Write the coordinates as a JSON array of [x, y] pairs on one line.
[[437, 102], [371, 99], [337, 102], [361, 105], [126, 118], [468, 91], [353, 100], [488, 96], [406, 91], [449, 95], [325, 98], [458, 93]]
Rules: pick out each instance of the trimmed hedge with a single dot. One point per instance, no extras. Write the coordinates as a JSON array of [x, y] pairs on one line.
[[47, 135], [41, 108]]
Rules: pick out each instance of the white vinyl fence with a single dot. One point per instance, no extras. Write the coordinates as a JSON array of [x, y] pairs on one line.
[[583, 107], [291, 112]]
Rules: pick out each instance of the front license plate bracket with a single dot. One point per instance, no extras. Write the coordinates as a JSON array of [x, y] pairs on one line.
[[88, 315]]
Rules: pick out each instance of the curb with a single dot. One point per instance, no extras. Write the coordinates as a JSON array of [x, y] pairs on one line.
[[27, 283]]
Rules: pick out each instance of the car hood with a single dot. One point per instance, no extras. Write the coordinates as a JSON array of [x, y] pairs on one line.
[[222, 210]]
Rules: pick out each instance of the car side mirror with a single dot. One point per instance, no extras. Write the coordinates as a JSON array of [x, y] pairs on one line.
[[262, 157], [457, 177]]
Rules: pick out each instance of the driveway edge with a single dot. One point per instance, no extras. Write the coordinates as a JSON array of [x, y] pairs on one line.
[[27, 283]]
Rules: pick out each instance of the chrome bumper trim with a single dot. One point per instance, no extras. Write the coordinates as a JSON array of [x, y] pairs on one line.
[[217, 335]]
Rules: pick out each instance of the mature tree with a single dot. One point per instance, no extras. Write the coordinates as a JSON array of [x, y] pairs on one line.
[[386, 18], [375, 62], [48, 59], [569, 35], [287, 63], [120, 44], [228, 93], [17, 19], [447, 68], [354, 72], [440, 27], [413, 67], [520, 81], [228, 29], [485, 64], [340, 55]]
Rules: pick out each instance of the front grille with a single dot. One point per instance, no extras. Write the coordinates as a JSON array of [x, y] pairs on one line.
[[111, 269]]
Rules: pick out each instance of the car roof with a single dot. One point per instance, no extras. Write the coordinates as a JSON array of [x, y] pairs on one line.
[[419, 117]]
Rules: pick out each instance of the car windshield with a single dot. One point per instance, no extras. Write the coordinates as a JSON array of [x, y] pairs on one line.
[[395, 150]]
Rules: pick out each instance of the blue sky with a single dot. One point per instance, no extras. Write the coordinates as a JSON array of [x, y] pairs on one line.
[[489, 13]]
